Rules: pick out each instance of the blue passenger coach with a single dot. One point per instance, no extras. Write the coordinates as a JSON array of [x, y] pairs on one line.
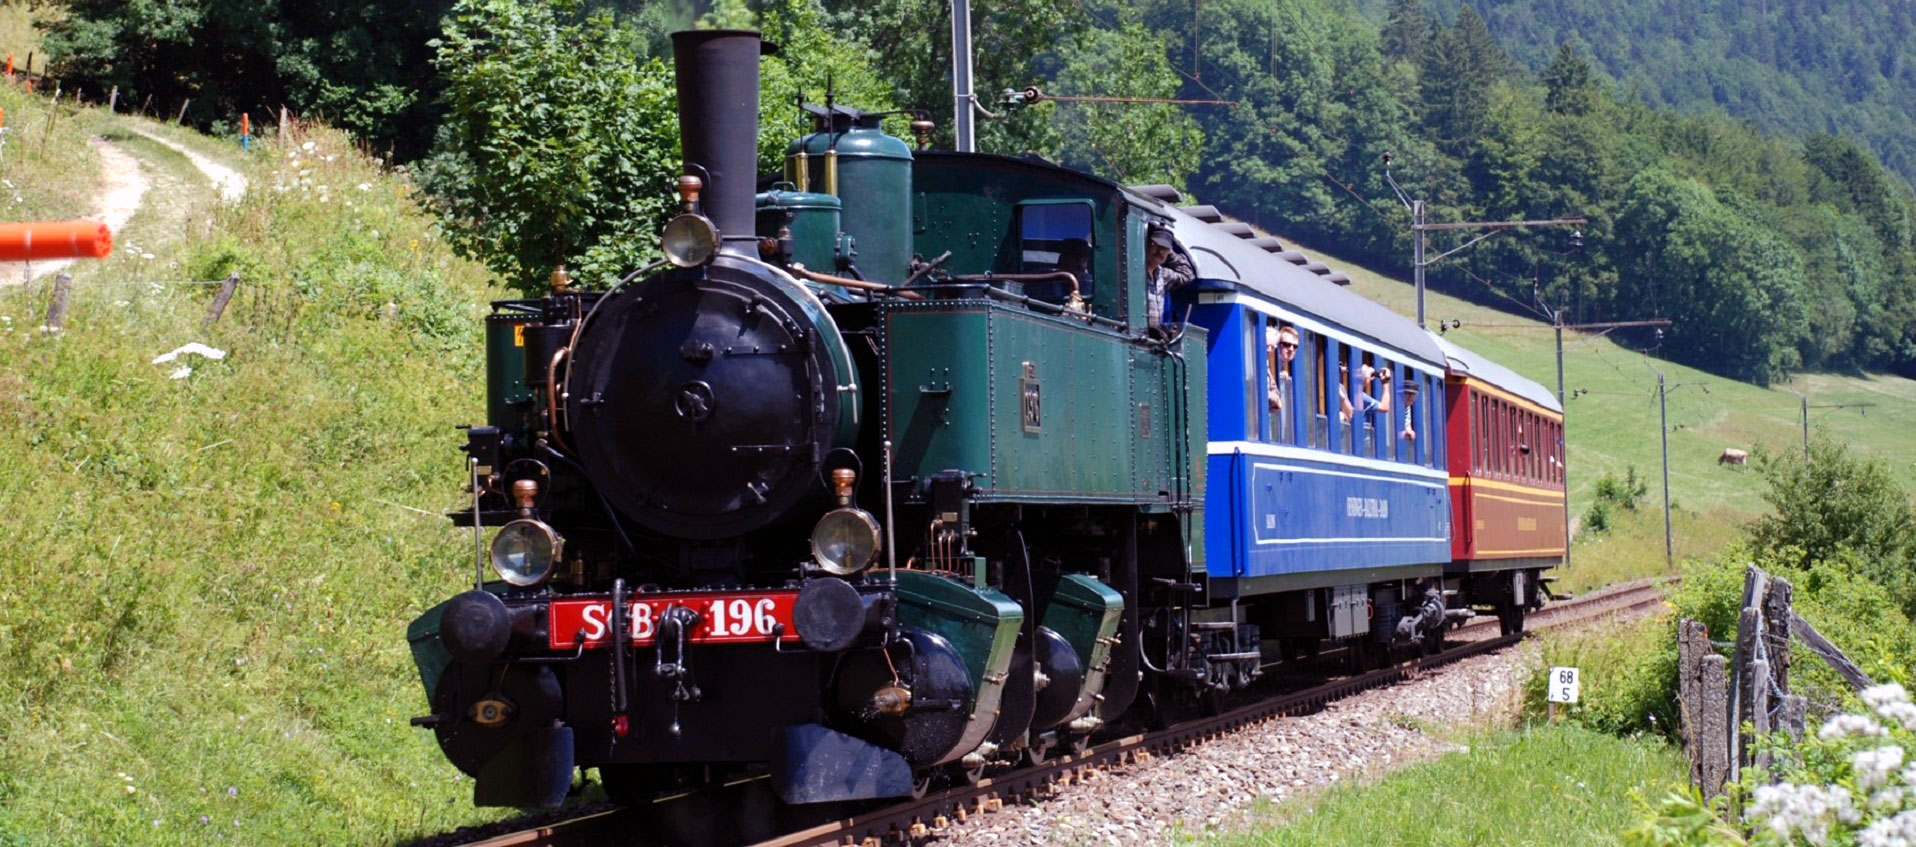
[[1327, 513]]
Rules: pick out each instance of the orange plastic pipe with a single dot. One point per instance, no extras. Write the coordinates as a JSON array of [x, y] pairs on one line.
[[55, 240]]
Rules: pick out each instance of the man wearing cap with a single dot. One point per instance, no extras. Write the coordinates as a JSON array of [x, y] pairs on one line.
[[1166, 269]]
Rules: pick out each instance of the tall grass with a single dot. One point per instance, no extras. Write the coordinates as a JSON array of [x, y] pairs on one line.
[[1541, 785], [207, 578], [1633, 546]]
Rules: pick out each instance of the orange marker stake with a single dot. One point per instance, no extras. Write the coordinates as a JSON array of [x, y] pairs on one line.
[[55, 240]]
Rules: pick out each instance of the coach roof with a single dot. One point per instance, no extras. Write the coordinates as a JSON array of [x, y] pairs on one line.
[[1221, 255], [1480, 368]]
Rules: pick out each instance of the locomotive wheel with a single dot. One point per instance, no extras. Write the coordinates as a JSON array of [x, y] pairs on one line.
[[1079, 744], [1036, 754]]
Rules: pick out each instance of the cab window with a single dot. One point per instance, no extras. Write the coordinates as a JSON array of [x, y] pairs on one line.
[[1056, 236]]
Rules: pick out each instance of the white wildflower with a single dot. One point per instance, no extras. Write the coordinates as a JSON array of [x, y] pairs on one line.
[[1901, 712], [1874, 767], [1881, 695], [1899, 831], [1887, 799], [308, 146], [365, 186], [1861, 726], [1809, 809]]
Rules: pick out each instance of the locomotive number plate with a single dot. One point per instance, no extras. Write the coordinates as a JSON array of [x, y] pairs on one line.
[[729, 618]]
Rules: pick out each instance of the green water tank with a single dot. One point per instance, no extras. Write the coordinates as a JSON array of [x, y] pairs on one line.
[[813, 220], [848, 156], [509, 400]]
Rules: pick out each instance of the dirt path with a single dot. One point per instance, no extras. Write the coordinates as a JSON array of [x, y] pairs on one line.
[[231, 185], [123, 185]]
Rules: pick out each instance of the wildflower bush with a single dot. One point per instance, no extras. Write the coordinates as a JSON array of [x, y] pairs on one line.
[[1851, 784]]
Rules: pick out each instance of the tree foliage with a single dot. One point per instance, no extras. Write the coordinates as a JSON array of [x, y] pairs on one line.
[[358, 65], [1837, 501], [558, 147]]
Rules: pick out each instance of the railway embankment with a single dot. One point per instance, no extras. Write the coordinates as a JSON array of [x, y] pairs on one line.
[[208, 577]]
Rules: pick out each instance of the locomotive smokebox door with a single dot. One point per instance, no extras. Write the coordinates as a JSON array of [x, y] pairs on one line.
[[702, 404]]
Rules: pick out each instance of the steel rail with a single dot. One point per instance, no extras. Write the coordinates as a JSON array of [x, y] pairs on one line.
[[917, 819]]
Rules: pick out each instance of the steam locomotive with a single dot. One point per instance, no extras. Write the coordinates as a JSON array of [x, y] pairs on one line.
[[881, 480]]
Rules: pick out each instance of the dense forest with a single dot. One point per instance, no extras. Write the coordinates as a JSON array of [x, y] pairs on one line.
[[1798, 67], [544, 132]]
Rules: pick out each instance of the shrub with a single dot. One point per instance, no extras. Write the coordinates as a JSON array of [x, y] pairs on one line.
[[1611, 494], [1837, 501]]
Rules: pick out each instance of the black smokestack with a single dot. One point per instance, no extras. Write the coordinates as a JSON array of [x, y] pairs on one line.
[[717, 72]]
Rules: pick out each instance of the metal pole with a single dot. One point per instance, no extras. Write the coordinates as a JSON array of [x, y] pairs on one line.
[[1563, 470], [1417, 263], [961, 93], [1806, 429], [1663, 429]]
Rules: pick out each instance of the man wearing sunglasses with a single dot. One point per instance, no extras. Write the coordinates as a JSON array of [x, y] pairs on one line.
[[1280, 348]]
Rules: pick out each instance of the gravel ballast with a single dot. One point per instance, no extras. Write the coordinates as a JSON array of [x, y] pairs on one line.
[[1211, 786]]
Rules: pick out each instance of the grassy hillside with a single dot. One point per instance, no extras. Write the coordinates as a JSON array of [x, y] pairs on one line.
[[1614, 425], [207, 579]]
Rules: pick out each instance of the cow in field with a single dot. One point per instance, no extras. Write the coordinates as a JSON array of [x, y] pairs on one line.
[[1733, 456]]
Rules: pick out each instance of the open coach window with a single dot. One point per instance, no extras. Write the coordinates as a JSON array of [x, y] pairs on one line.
[[1055, 235]]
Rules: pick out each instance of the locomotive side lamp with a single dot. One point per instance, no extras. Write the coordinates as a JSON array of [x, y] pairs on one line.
[[689, 240], [525, 550], [845, 541]]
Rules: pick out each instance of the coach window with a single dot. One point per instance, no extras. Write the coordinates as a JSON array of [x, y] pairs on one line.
[[1489, 439], [1281, 341], [1056, 236], [1493, 414], [1532, 449], [1251, 345], [1556, 445]]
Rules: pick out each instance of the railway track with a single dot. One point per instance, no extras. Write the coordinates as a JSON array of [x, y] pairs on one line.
[[918, 819]]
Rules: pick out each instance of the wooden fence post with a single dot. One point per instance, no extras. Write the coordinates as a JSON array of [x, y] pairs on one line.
[[1693, 643], [1776, 632], [113, 100], [225, 295], [1713, 740], [182, 116], [1822, 647], [57, 307], [285, 127], [1742, 692]]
